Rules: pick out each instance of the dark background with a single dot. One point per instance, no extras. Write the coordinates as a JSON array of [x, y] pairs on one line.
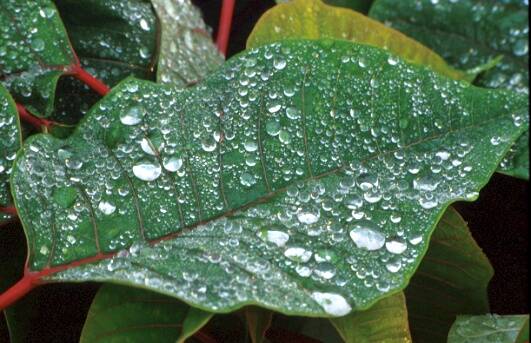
[[498, 221]]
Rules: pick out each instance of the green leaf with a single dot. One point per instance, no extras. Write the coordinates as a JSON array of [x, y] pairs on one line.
[[312, 19], [34, 52], [253, 188], [10, 142], [452, 279], [120, 314], [386, 321], [478, 32], [187, 53], [516, 162], [258, 321], [490, 328]]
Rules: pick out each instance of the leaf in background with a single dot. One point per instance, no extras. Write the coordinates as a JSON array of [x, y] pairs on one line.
[[312, 19], [258, 321], [361, 6], [386, 321], [452, 279], [478, 31], [34, 52], [516, 162], [490, 328], [10, 142], [187, 53], [253, 188], [113, 39], [120, 314]]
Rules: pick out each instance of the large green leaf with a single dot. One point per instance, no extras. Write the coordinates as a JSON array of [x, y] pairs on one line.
[[490, 328], [357, 5], [187, 53], [124, 314], [312, 19], [451, 280], [304, 176], [10, 142], [34, 52], [386, 321], [478, 31]]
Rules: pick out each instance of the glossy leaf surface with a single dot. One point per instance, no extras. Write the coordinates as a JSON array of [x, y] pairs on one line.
[[490, 328], [253, 188], [125, 314], [312, 19], [478, 31], [34, 52], [187, 53], [10, 142], [385, 321], [452, 279], [362, 6]]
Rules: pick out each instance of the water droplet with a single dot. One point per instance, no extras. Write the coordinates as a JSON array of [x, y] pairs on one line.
[[279, 238], [521, 47], [392, 60], [284, 137], [147, 171], [396, 246], [298, 254], [293, 113], [208, 144], [37, 44], [279, 63], [247, 179], [272, 128], [250, 146], [106, 207], [333, 304], [133, 115], [172, 163], [326, 270], [425, 183], [308, 216], [366, 235], [144, 24]]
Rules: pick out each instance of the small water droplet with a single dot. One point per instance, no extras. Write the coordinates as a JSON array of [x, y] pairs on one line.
[[133, 115]]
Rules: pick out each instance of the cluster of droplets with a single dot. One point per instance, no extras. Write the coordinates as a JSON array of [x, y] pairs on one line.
[[9, 145], [187, 53], [487, 328], [340, 194]]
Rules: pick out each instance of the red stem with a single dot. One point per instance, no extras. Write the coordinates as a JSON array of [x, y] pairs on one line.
[[18, 290], [225, 22], [9, 210], [34, 121], [96, 85]]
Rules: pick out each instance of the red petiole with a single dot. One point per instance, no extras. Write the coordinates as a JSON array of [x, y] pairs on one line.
[[225, 22]]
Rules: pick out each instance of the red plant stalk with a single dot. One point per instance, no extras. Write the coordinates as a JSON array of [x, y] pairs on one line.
[[34, 121], [225, 22], [9, 210], [82, 75]]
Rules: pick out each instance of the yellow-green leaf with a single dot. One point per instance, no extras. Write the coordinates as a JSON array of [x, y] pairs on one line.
[[312, 19]]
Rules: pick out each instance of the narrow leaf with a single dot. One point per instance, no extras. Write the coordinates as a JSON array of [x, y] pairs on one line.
[[187, 53], [385, 321], [10, 142], [312, 19], [120, 314], [255, 188], [478, 32], [258, 321], [490, 328], [452, 279]]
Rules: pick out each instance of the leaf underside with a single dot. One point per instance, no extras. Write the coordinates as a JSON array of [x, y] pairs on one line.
[[309, 183], [479, 32]]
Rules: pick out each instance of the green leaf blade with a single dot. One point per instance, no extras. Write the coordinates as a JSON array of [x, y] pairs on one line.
[[121, 313], [490, 328], [261, 205]]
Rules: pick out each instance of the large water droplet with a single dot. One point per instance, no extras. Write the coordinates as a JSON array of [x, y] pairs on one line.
[[279, 238], [333, 304], [147, 171], [309, 216], [326, 270], [298, 254], [133, 115], [172, 163], [366, 235], [396, 246], [106, 207]]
